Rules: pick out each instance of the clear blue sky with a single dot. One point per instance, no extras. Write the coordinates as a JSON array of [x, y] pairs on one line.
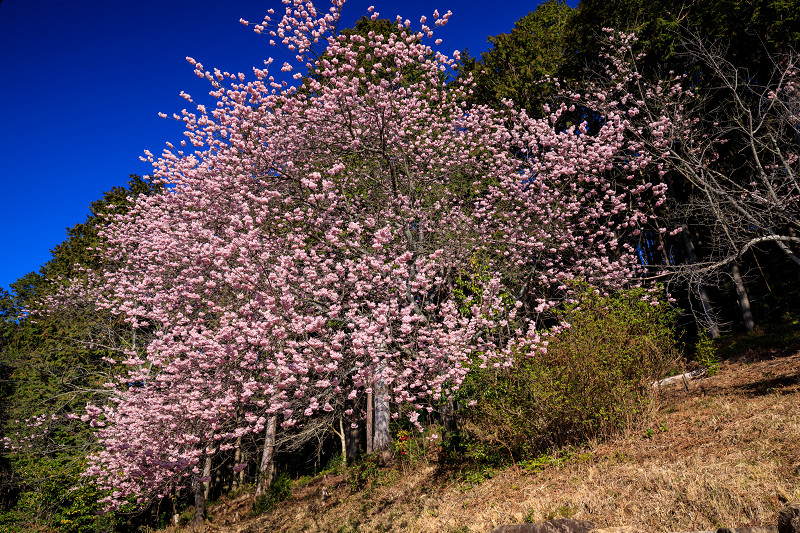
[[82, 82]]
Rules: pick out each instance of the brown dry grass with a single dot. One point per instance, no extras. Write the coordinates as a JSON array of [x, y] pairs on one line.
[[724, 453]]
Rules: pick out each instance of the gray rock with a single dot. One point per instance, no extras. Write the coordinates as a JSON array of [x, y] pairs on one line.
[[750, 529], [621, 529], [789, 519], [559, 525]]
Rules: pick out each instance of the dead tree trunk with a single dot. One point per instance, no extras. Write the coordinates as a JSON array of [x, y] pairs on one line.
[[741, 295], [176, 513], [449, 416], [342, 438], [705, 301]]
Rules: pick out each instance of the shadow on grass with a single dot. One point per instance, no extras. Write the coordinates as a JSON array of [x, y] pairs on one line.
[[770, 386]]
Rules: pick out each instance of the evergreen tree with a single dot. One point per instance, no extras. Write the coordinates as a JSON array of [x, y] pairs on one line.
[[518, 62], [52, 364]]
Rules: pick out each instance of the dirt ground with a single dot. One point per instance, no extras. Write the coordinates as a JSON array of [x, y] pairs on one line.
[[724, 452]]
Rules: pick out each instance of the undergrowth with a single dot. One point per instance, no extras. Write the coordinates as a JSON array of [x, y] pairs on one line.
[[593, 381], [280, 490]]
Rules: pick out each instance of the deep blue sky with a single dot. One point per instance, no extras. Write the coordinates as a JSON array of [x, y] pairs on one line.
[[82, 82]]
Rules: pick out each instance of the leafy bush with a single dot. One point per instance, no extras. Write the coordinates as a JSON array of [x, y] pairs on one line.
[[82, 512], [706, 354], [362, 473], [55, 495], [595, 378], [280, 490]]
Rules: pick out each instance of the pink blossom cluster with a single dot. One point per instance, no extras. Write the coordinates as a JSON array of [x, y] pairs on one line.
[[315, 241]]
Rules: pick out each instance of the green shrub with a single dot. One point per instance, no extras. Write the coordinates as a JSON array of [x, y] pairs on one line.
[[362, 473], [594, 380], [55, 495], [280, 490], [82, 512], [706, 353]]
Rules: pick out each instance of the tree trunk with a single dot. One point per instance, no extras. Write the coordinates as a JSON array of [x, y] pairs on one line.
[[343, 438], [449, 416], [176, 513], [370, 414], [267, 467], [353, 439], [708, 311], [207, 476], [791, 254], [199, 489], [237, 480], [381, 441], [741, 294], [705, 301], [664, 253]]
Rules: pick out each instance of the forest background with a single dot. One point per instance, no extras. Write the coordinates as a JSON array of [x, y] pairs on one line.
[[722, 241]]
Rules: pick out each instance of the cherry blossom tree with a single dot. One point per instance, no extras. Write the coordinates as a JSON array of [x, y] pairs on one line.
[[312, 243]]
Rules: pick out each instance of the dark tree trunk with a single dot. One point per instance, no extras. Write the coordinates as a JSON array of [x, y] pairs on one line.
[[449, 416], [353, 438], [199, 489]]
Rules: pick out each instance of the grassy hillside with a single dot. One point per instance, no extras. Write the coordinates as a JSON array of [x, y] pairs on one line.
[[725, 452]]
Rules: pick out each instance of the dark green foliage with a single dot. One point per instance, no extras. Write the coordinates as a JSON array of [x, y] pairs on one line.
[[54, 493], [780, 338], [519, 61], [556, 40], [52, 364], [594, 380], [280, 490], [81, 512], [750, 30]]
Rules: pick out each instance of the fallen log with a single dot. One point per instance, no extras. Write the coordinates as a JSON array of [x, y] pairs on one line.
[[685, 377]]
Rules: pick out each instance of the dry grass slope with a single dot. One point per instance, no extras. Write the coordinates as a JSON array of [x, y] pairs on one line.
[[724, 453]]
